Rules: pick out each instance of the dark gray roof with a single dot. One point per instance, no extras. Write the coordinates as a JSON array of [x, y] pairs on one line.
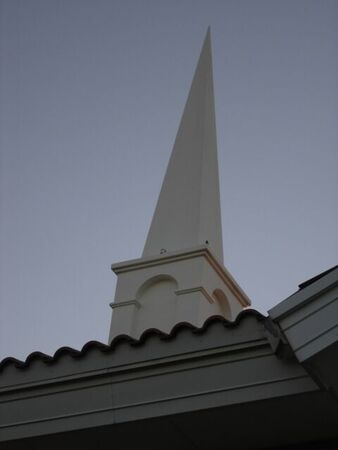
[[316, 277], [77, 354]]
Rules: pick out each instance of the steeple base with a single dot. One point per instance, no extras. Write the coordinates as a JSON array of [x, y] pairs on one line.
[[184, 286]]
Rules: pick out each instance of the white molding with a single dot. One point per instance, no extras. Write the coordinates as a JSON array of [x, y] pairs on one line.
[[196, 289], [134, 302]]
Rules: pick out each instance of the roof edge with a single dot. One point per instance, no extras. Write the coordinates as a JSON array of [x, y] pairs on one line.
[[123, 338]]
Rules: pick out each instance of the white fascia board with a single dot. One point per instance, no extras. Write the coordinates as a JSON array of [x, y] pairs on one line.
[[305, 295], [309, 322], [218, 368]]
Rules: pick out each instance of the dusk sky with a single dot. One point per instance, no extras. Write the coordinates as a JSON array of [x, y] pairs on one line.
[[91, 95]]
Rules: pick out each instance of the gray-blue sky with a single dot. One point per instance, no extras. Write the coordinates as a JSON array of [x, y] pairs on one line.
[[91, 97]]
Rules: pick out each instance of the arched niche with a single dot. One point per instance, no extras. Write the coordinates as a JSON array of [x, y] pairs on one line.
[[223, 303], [157, 281], [157, 299]]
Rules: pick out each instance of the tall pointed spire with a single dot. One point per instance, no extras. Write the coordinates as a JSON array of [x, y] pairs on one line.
[[188, 208], [180, 276]]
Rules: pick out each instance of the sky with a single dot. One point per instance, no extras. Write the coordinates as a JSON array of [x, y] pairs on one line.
[[92, 92]]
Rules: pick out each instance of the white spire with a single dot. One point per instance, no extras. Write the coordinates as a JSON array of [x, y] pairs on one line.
[[188, 208], [180, 276]]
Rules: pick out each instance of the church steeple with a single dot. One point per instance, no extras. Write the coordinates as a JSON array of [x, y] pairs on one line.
[[188, 209], [180, 276]]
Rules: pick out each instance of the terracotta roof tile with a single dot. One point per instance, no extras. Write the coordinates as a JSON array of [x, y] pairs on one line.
[[135, 342]]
